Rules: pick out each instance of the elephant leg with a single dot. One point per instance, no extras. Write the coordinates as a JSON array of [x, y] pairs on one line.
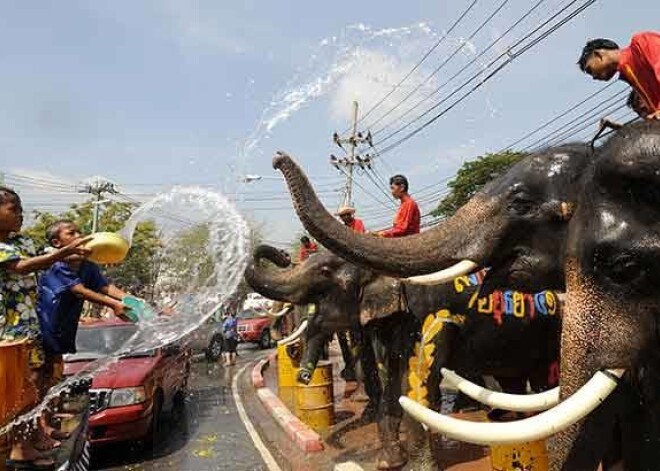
[[419, 440], [386, 341], [348, 373], [370, 379]]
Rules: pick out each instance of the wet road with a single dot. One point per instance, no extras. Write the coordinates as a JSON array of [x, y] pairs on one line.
[[207, 435]]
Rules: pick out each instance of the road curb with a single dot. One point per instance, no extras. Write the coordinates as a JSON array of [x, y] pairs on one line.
[[303, 436]]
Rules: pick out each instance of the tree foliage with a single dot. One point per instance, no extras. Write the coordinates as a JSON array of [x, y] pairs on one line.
[[472, 176]]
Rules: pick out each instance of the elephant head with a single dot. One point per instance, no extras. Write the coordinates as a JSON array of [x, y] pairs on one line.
[[516, 225], [338, 295]]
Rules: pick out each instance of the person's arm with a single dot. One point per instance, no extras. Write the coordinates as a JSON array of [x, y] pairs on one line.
[[101, 299], [401, 222], [114, 292], [40, 262]]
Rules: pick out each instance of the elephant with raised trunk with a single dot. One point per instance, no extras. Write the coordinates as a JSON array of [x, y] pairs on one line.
[[516, 225], [415, 331], [610, 361]]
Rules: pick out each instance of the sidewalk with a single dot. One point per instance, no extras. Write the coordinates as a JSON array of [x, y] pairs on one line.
[[353, 445]]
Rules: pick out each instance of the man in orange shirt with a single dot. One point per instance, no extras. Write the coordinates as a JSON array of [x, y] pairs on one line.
[[638, 65], [307, 248], [407, 218], [347, 215]]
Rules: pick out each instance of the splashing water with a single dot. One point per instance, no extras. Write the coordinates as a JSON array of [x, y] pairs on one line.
[[204, 253], [359, 63]]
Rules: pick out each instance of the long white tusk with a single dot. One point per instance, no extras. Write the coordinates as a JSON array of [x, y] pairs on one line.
[[541, 426], [280, 313], [443, 276], [294, 336], [498, 400]]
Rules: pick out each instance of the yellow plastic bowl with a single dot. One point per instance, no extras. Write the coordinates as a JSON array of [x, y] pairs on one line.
[[107, 247]]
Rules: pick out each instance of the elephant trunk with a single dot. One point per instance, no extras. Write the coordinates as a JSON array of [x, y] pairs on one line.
[[599, 330], [470, 234], [314, 345], [277, 284]]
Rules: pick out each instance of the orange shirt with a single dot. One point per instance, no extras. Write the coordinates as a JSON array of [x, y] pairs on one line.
[[406, 220], [357, 225], [305, 252], [639, 65]]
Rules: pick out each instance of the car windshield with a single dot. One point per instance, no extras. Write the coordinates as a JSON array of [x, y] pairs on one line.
[[96, 342], [247, 314]]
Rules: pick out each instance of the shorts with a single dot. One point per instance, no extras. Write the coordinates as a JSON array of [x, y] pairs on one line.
[[230, 345]]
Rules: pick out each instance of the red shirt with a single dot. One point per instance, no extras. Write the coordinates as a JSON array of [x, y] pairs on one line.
[[306, 251], [357, 225], [639, 65], [406, 220]]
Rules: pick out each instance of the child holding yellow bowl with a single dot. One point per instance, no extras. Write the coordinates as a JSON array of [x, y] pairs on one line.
[[18, 316], [63, 288]]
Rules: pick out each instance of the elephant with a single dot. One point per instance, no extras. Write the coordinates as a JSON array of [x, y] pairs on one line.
[[613, 303], [406, 322], [609, 343], [516, 225]]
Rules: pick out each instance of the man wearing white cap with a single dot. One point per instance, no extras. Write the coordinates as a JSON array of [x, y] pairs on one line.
[[347, 215]]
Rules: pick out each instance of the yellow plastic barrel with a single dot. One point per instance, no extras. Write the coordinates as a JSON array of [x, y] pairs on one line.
[[16, 390], [530, 456], [287, 370], [315, 401]]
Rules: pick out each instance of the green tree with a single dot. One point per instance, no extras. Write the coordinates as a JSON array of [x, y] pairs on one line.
[[471, 177]]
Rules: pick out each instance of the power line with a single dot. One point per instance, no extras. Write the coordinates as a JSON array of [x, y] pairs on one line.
[[603, 107], [463, 69], [511, 56], [443, 63], [419, 63], [556, 118]]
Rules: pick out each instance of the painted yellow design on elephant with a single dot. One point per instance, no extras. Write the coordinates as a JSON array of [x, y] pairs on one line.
[[419, 365]]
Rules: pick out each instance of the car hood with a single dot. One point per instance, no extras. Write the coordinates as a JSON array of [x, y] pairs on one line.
[[124, 373]]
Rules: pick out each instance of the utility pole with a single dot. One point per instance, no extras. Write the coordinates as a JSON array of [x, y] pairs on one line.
[[97, 186], [347, 164]]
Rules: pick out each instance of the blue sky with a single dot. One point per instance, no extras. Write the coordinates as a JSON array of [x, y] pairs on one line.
[[155, 93]]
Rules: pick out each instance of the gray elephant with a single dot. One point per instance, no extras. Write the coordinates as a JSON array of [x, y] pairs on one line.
[[450, 326], [516, 225], [610, 357]]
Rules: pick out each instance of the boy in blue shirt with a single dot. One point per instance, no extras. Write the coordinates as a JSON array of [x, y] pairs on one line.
[[63, 288]]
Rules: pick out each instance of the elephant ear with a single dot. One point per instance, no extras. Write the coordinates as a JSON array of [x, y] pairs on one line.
[[381, 298]]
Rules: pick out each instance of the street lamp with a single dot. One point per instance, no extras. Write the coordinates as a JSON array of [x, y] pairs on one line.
[[256, 178]]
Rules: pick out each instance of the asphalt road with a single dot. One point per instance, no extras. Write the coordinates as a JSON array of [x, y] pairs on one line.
[[207, 436]]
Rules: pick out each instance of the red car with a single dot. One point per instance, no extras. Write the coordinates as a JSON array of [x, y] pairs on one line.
[[254, 328], [128, 398]]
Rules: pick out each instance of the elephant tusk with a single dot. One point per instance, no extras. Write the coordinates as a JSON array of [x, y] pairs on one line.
[[541, 426], [498, 400], [294, 336], [443, 276], [280, 313]]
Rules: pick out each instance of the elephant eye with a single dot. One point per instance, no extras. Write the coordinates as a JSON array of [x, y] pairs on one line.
[[622, 268]]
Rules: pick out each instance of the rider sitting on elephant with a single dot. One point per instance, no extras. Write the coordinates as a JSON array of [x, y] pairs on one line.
[[638, 65], [407, 218]]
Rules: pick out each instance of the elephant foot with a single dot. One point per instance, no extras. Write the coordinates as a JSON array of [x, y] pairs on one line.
[[392, 456]]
